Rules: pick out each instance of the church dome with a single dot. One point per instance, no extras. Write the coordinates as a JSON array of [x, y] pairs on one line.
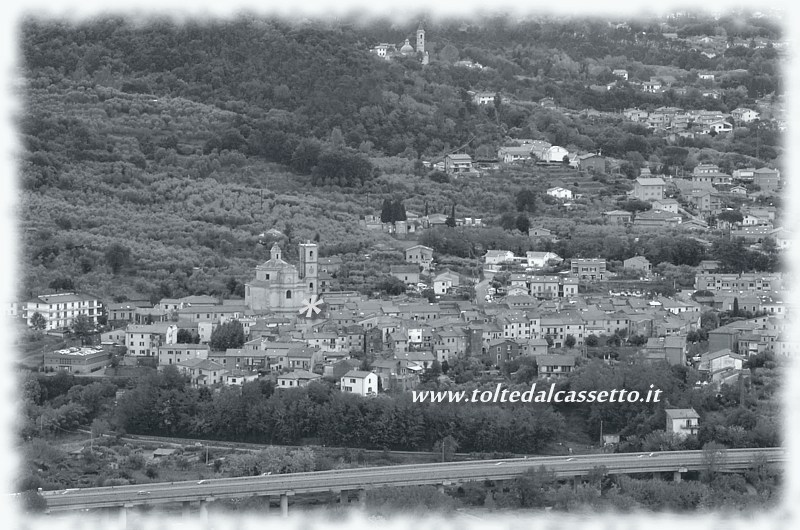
[[407, 48], [275, 261]]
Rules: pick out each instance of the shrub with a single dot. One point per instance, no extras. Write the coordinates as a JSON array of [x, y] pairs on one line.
[[151, 471], [135, 461]]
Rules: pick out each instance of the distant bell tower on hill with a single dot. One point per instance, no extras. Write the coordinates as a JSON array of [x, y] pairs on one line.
[[420, 39]]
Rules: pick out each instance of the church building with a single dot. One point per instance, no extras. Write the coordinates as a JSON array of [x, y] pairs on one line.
[[280, 286], [389, 51]]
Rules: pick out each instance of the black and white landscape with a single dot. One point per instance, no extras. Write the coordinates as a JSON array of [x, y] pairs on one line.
[[248, 245]]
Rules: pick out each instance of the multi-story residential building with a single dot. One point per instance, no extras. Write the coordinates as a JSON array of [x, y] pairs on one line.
[[510, 154], [420, 255], [538, 232], [359, 382], [408, 274], [638, 263], [656, 219], [454, 341], [711, 178], [277, 353], [706, 199], [671, 349], [457, 163], [60, 310], [124, 311], [636, 114], [744, 174], [621, 73], [534, 347], [144, 340], [653, 86], [544, 287], [598, 322], [419, 311], [618, 217], [484, 98], [503, 350], [744, 115], [560, 326], [202, 372], [240, 358], [302, 357], [394, 375], [331, 264], [739, 282], [592, 162], [588, 268], [515, 325], [296, 379], [496, 257], [648, 189], [445, 281], [767, 179], [667, 205], [705, 169], [786, 348], [176, 353], [398, 342], [682, 422]]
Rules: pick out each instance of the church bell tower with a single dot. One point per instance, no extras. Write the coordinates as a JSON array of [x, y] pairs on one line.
[[308, 267]]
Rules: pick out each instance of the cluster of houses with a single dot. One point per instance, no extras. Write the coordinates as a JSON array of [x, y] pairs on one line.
[[541, 316], [707, 191], [519, 151], [687, 123], [713, 45], [371, 345], [414, 223], [665, 322], [528, 149]]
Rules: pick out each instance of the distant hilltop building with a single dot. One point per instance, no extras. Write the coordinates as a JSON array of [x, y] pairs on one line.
[[389, 51], [280, 286]]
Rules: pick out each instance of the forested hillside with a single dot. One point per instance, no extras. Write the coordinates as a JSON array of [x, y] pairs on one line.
[[156, 153]]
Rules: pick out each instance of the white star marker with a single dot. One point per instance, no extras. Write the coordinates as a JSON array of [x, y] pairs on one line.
[[311, 306]]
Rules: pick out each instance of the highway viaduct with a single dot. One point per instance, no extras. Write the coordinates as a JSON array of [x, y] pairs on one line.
[[360, 480]]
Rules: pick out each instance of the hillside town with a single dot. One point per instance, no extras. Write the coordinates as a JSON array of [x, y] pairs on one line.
[[288, 248], [545, 307]]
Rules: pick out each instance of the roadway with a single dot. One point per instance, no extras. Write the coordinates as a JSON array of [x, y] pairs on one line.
[[402, 475]]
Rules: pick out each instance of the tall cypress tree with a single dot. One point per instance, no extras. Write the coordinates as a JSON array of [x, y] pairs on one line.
[[386, 211], [399, 211], [451, 221]]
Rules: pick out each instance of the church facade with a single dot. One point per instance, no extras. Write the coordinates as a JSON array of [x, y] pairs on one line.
[[280, 286]]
